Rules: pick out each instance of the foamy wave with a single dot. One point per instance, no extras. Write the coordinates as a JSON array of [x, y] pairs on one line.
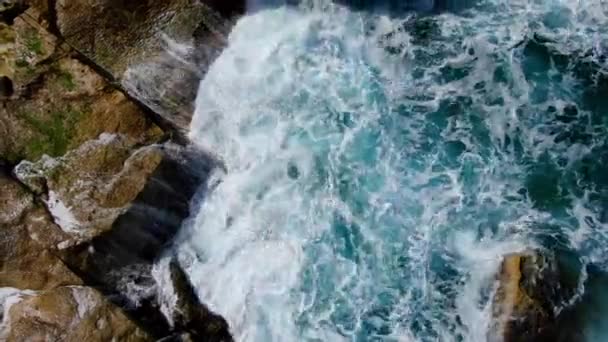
[[377, 170]]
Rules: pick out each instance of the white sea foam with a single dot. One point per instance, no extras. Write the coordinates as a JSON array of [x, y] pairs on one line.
[[8, 297], [340, 216], [62, 214]]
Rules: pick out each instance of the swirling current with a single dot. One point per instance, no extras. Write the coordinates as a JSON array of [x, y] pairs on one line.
[[378, 164]]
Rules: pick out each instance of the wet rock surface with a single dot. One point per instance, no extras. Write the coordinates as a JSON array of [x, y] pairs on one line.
[[532, 299], [182, 308], [120, 261], [157, 50]]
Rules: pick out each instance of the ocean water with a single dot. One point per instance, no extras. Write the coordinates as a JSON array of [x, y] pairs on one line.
[[378, 163]]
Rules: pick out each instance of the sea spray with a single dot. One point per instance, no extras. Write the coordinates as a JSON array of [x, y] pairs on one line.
[[378, 167]]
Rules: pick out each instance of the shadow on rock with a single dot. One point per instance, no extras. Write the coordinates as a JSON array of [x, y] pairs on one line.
[[536, 292], [120, 261]]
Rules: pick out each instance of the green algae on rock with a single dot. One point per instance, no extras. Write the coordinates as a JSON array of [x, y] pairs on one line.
[[89, 187]]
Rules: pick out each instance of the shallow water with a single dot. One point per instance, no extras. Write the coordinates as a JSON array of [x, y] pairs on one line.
[[378, 165]]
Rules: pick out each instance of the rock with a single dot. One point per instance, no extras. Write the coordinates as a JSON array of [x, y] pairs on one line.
[[9, 297], [69, 106], [90, 187], [25, 263], [121, 259], [157, 50], [56, 102], [14, 200], [95, 194], [182, 307], [530, 287], [9, 9], [587, 66], [7, 56], [33, 48], [70, 313]]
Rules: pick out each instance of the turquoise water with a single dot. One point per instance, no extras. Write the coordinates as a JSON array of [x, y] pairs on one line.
[[379, 165]]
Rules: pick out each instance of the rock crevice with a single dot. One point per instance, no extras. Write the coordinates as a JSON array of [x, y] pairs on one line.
[[96, 175]]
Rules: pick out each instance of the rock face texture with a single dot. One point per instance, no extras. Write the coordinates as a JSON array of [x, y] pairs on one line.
[[89, 187], [58, 103], [531, 287], [25, 263], [157, 50], [70, 313], [95, 178]]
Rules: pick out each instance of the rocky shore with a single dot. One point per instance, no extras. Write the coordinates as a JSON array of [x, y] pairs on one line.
[[95, 173], [96, 177]]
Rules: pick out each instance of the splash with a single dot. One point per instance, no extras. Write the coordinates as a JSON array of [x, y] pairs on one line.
[[378, 167]]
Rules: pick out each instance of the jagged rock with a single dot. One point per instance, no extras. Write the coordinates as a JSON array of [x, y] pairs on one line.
[[180, 304], [100, 197], [90, 187], [530, 287], [25, 263], [157, 50], [121, 260], [71, 313]]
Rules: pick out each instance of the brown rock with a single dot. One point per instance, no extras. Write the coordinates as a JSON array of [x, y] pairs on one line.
[[70, 105], [33, 48], [121, 259], [25, 263], [72, 313], [99, 192], [53, 102], [88, 188], [150, 47], [14, 200], [530, 287]]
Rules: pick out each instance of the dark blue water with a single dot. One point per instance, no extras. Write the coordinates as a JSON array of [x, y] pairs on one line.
[[379, 165]]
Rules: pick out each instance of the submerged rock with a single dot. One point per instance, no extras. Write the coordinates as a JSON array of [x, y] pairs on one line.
[[398, 7], [589, 67]]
